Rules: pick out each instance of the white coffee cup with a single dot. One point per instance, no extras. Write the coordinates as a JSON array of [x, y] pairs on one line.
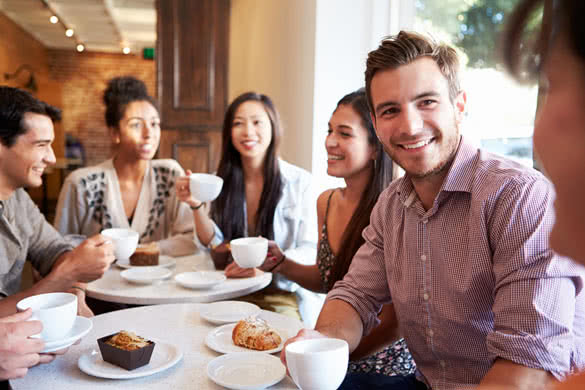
[[249, 252], [125, 241], [57, 312], [205, 187], [317, 364]]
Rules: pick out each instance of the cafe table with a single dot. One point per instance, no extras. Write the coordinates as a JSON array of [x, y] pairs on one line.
[[113, 288], [176, 324]]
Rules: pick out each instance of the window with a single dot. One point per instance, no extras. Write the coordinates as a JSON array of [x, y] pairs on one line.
[[500, 113]]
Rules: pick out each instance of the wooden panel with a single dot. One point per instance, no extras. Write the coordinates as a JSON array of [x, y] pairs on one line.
[[192, 52], [195, 157], [193, 68], [198, 151]]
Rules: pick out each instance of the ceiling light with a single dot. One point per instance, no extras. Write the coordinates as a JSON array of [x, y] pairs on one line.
[[69, 32], [80, 48], [126, 50], [53, 19]]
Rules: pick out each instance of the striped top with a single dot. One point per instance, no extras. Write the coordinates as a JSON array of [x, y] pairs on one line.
[[472, 279]]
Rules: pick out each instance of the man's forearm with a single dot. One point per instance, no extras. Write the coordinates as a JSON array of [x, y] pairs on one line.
[[507, 375], [339, 319]]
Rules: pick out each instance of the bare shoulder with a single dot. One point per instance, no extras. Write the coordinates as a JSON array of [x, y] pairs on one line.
[[323, 199]]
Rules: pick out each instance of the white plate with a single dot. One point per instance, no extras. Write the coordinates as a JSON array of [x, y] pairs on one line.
[[220, 340], [200, 279], [226, 312], [246, 371], [165, 355], [163, 261], [81, 327], [145, 275]]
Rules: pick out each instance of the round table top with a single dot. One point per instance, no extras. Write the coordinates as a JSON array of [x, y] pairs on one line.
[[112, 288], [177, 324]]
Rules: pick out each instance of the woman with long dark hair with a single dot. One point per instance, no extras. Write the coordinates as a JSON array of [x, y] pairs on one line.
[[559, 131], [354, 154], [262, 195]]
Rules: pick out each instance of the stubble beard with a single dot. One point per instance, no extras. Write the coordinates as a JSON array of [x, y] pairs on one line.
[[443, 165]]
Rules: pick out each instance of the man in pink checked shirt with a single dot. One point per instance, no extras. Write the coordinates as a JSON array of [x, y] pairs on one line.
[[459, 245]]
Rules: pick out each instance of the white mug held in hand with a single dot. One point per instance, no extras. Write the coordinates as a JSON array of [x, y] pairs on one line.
[[125, 241], [317, 364], [249, 252], [57, 312], [205, 187]]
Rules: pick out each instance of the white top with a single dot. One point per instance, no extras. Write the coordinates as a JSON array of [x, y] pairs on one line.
[[90, 201], [295, 232], [178, 324], [113, 288], [295, 217]]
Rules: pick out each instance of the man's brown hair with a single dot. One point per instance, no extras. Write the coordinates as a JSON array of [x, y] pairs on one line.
[[406, 47]]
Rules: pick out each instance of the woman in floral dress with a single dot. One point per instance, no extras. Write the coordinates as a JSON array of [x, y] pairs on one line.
[[354, 154]]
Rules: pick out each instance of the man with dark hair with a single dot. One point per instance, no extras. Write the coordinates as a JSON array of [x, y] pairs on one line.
[[26, 135], [459, 245]]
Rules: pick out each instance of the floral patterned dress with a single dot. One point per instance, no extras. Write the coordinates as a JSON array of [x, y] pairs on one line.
[[396, 358]]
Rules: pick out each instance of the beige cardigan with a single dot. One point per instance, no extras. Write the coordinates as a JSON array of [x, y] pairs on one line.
[[90, 201]]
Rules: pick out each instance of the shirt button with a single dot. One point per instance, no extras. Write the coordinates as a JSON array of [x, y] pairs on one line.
[[425, 221], [423, 257], [426, 296], [430, 332], [442, 363]]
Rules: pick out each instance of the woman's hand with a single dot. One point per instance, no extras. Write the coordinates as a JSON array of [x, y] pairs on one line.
[[235, 271], [183, 191], [274, 256]]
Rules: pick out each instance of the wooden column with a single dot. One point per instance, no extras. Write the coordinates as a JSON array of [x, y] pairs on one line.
[[192, 55]]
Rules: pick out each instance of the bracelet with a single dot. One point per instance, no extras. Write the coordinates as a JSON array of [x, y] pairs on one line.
[[79, 288], [197, 207], [283, 258]]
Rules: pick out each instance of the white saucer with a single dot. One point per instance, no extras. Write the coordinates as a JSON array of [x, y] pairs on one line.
[[220, 340], [145, 275], [163, 261], [165, 355], [246, 370], [200, 279], [80, 328], [226, 312]]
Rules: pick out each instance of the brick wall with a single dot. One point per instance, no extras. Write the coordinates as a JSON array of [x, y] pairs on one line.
[[83, 78]]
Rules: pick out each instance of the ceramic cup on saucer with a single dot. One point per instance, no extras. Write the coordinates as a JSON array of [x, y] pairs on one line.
[[205, 187], [125, 241], [317, 364], [57, 312], [249, 252]]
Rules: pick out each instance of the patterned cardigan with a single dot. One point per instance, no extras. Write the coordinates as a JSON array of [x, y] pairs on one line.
[[90, 201]]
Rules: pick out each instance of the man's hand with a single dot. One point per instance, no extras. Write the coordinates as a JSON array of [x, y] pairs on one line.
[[18, 352], [87, 262], [235, 271], [303, 334]]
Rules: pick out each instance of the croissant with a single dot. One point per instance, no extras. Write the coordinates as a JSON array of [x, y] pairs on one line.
[[254, 333]]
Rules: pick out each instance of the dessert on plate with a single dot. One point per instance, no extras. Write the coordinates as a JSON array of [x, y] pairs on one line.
[[126, 349], [145, 254], [255, 333]]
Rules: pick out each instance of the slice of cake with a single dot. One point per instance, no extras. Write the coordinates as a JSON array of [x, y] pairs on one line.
[[254, 333], [145, 254], [126, 349]]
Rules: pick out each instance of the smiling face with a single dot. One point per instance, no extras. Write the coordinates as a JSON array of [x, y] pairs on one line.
[[414, 118], [23, 164], [251, 131], [559, 141], [348, 149], [138, 132]]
